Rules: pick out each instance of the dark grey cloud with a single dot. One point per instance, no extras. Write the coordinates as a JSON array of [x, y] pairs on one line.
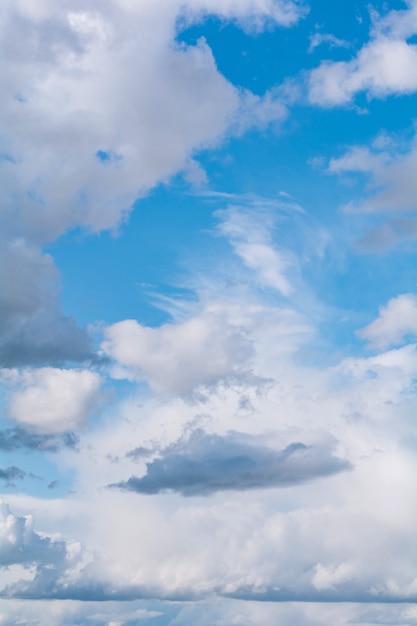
[[47, 338], [11, 473], [205, 464], [19, 438]]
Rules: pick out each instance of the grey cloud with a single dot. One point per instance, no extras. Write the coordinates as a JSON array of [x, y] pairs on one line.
[[388, 235], [205, 464], [140, 452], [33, 329], [48, 338], [11, 473], [19, 438]]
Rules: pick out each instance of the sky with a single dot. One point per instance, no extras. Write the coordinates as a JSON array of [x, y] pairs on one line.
[[208, 313]]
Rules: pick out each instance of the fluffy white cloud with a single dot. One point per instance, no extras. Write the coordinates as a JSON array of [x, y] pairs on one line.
[[54, 400], [384, 66], [396, 321], [175, 358], [84, 142]]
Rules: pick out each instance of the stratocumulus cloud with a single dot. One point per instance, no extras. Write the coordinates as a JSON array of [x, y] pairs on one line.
[[205, 464]]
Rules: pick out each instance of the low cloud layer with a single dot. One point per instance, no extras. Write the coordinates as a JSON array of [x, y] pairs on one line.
[[205, 464]]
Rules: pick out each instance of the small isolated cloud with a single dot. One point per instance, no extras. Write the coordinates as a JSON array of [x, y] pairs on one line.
[[386, 65], [176, 358], [206, 463], [52, 400], [318, 39], [9, 474], [396, 321]]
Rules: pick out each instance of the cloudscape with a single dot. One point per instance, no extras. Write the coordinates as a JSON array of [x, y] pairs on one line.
[[208, 313]]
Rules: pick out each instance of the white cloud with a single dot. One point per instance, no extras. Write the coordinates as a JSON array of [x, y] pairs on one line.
[[155, 104], [101, 103], [318, 39], [325, 538], [251, 239], [54, 400], [386, 65], [175, 358], [396, 321], [392, 176]]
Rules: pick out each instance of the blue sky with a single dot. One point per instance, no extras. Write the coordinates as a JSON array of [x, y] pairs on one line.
[[208, 313]]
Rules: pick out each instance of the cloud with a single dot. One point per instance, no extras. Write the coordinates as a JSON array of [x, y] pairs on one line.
[[251, 240], [205, 464], [396, 321], [20, 439], [392, 176], [21, 544], [9, 474], [388, 235], [318, 39], [176, 358], [33, 329], [157, 103], [81, 145], [391, 190], [386, 65], [54, 400]]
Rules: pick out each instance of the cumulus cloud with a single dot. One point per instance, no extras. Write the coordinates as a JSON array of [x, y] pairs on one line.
[[81, 145], [22, 544], [175, 358], [386, 65], [53, 400], [396, 321], [204, 464], [157, 102]]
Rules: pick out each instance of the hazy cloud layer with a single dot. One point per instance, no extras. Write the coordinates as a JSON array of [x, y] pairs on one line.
[[205, 464]]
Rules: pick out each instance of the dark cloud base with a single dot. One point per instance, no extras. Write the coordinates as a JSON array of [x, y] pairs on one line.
[[205, 464]]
